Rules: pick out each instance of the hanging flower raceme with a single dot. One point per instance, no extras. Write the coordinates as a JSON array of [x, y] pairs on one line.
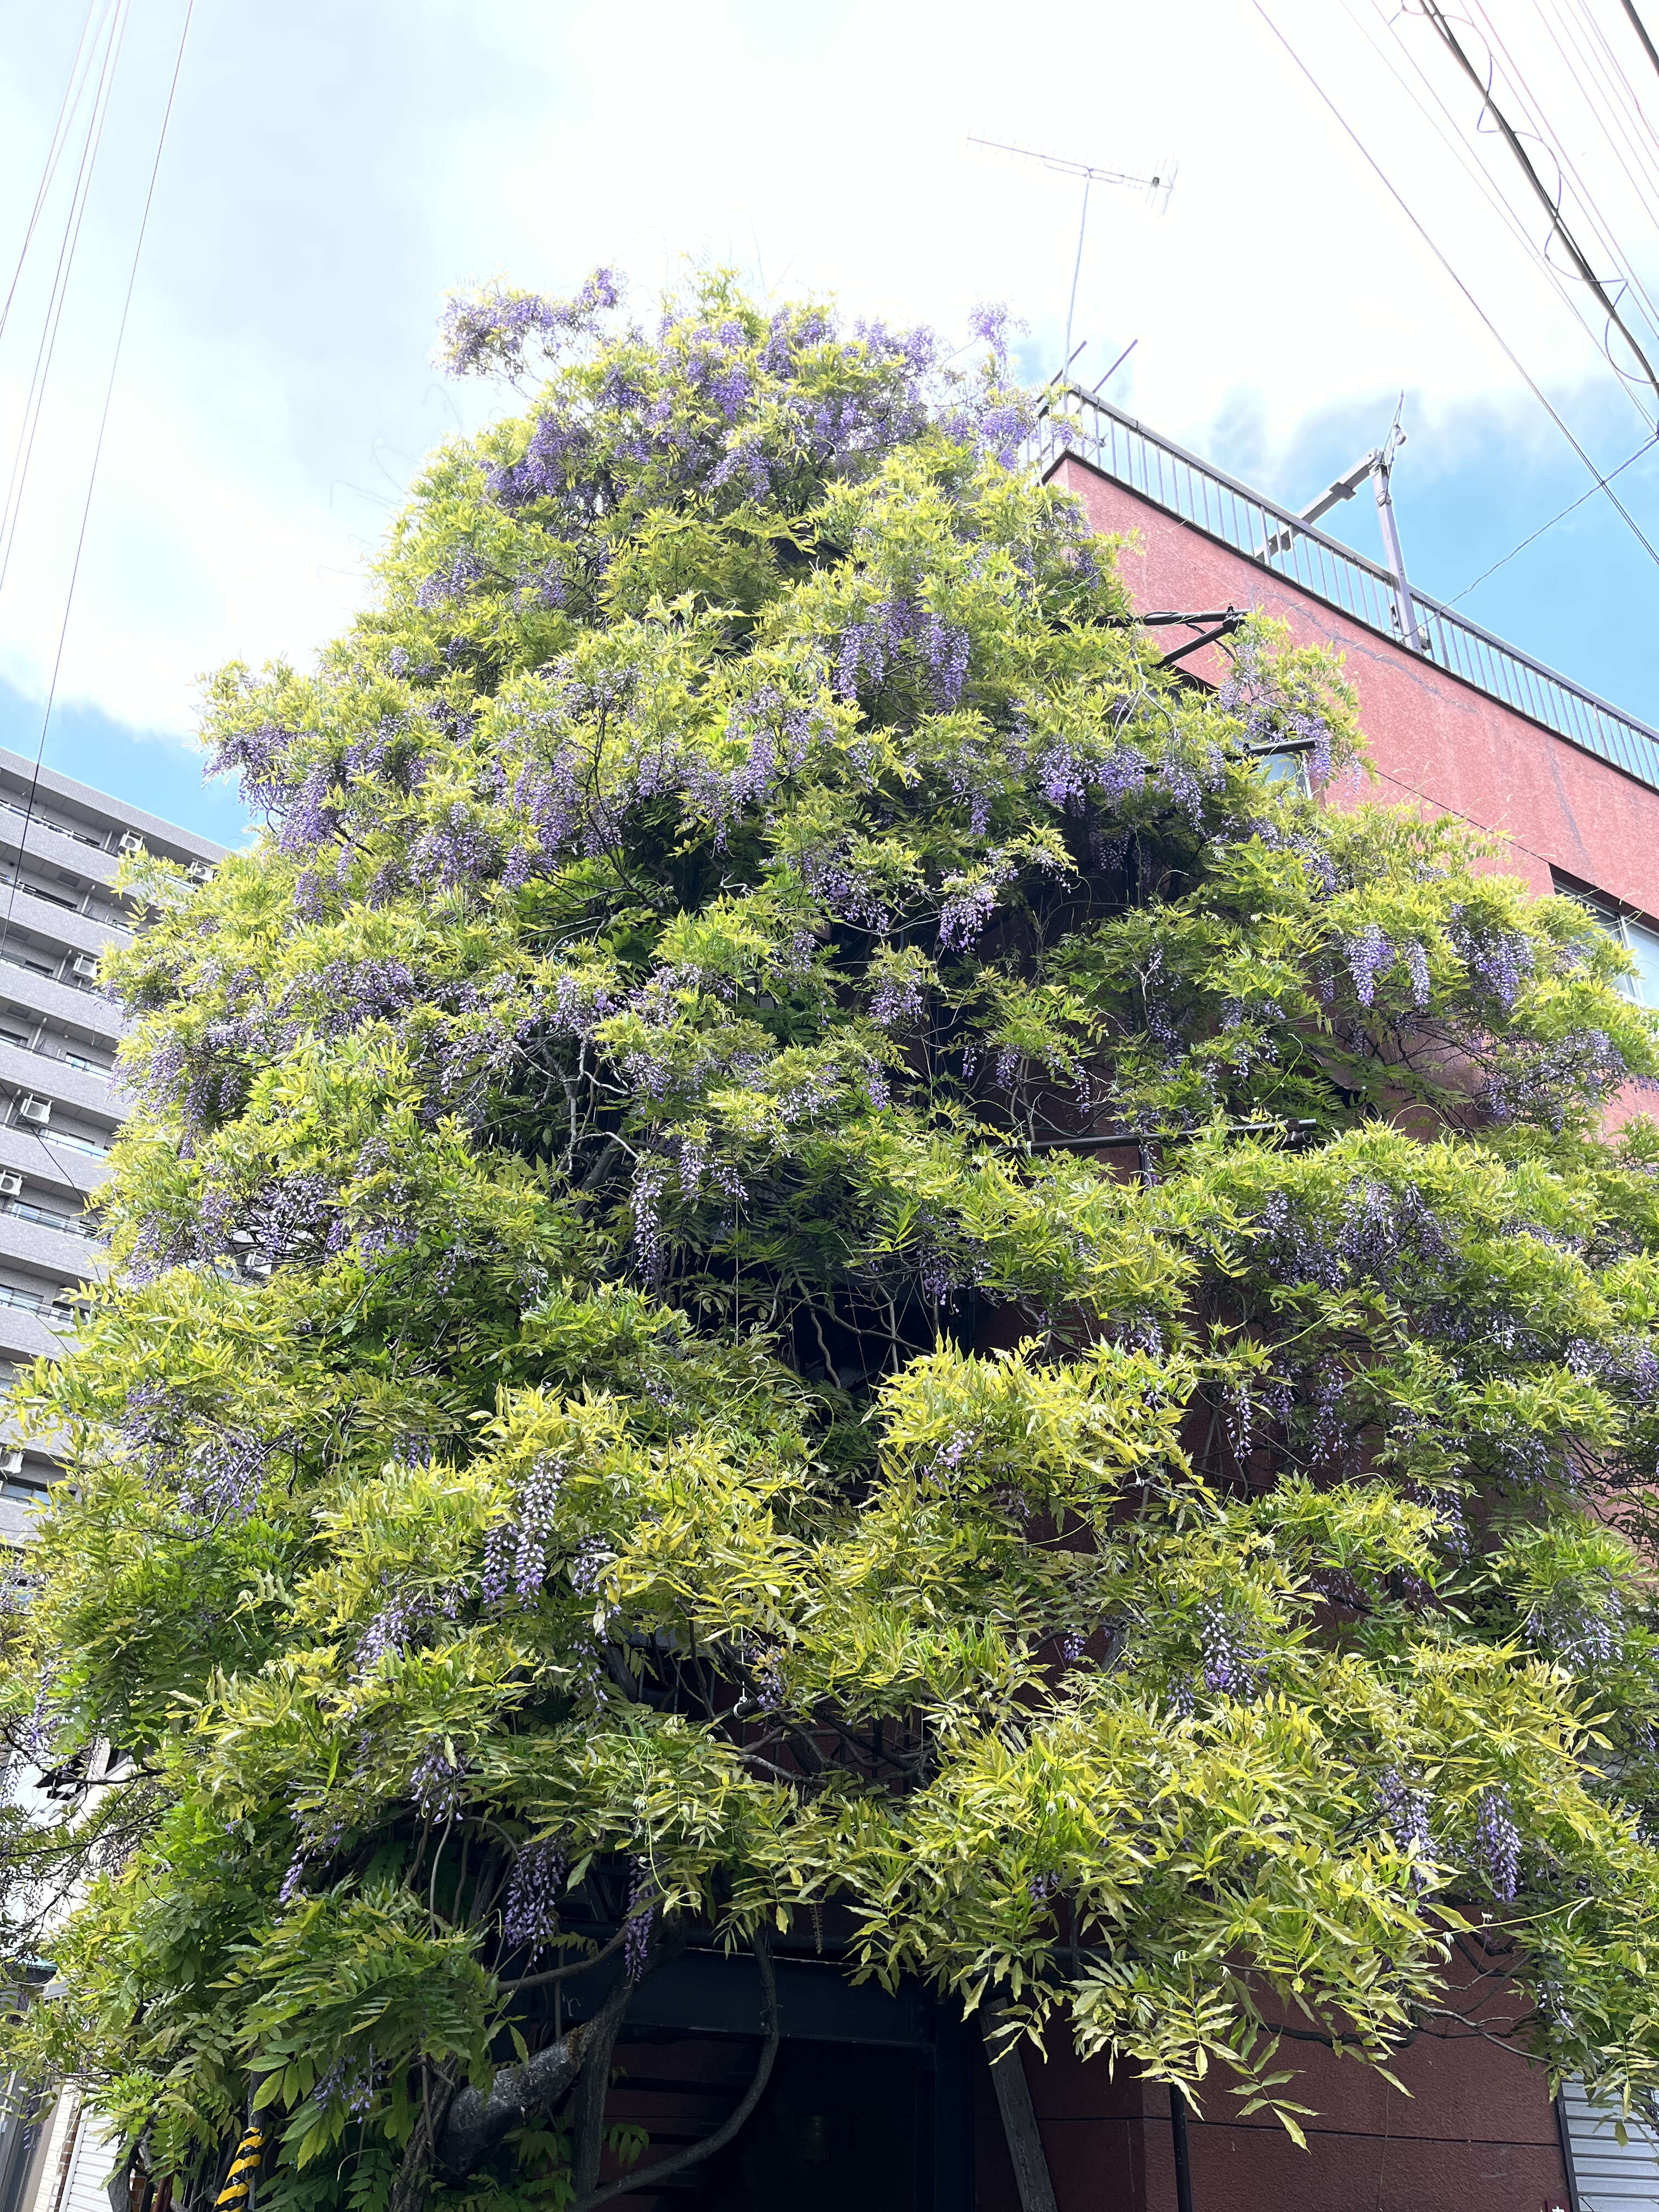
[[798, 1252]]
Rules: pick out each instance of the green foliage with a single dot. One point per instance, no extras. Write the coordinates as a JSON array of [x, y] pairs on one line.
[[801, 1254]]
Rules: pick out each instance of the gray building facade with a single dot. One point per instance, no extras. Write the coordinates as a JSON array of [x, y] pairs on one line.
[[61, 844]]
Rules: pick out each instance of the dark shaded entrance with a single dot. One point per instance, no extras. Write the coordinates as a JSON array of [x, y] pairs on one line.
[[841, 2125], [869, 2108]]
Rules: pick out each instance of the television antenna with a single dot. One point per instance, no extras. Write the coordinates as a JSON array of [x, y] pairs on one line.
[[1155, 190], [1378, 466]]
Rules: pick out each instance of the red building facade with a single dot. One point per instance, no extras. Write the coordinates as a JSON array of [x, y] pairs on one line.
[[1568, 787]]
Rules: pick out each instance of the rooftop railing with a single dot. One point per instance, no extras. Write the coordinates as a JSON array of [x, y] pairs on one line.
[[1092, 430]]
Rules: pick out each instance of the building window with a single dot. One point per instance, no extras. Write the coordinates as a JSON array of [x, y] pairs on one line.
[[1287, 767], [1639, 936]]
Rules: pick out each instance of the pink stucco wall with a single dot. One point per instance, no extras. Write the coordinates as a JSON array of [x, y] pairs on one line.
[[1432, 739], [1477, 2132]]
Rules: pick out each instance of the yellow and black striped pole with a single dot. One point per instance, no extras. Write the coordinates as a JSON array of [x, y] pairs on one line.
[[243, 2167]]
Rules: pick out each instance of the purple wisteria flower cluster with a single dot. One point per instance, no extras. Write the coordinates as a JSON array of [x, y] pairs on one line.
[[517, 1550], [1230, 1652], [968, 903], [900, 633], [1583, 1629], [457, 853], [1499, 960], [1376, 1233], [214, 1471], [352, 2082], [437, 1782], [1369, 954], [405, 1615], [899, 999], [1406, 1806], [491, 331], [259, 759], [641, 1919], [1536, 1081], [1277, 708], [530, 1908], [464, 570], [1497, 1842], [724, 410]]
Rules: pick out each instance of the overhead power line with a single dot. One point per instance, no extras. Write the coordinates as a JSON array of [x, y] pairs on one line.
[[1601, 484], [1641, 31], [1586, 54], [87, 46], [1442, 121], [1552, 206], [97, 455], [1629, 288], [23, 452], [1513, 359]]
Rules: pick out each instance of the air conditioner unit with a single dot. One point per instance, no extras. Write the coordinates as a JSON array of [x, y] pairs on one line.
[[131, 843], [256, 1264], [200, 872], [11, 1186], [31, 1109], [11, 1461], [84, 964]]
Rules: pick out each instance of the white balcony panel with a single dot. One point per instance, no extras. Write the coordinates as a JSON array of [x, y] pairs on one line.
[[62, 1002], [52, 1168], [56, 924], [57, 1252], [25, 1336], [37, 1072]]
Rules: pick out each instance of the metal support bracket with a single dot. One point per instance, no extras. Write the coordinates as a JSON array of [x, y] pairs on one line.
[[1225, 624]]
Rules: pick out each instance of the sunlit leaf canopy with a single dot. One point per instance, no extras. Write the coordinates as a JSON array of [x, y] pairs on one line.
[[808, 1250]]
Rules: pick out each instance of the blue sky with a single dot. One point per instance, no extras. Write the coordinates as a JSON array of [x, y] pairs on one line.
[[332, 171]]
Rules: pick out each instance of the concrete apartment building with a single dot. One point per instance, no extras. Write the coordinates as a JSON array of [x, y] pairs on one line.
[[61, 844]]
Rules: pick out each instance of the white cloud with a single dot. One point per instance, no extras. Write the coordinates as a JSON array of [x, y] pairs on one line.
[[332, 170]]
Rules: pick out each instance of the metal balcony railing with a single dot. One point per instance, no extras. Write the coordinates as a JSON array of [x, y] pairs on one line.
[[70, 1224], [1082, 424]]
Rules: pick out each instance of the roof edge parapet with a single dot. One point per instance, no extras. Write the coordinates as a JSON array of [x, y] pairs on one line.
[[1079, 425]]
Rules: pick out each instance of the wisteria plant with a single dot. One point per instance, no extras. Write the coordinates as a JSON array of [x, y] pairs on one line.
[[812, 1258]]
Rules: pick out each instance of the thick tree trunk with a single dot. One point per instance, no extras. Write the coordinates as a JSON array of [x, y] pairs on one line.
[[476, 2120], [1036, 2191], [587, 2106], [653, 2177]]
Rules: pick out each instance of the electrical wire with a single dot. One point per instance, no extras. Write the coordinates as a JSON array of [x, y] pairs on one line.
[[23, 452], [1641, 31], [1632, 99], [71, 101], [1601, 484], [1557, 142], [97, 454], [1536, 390], [1559, 226], [1610, 96], [1453, 139], [1618, 293]]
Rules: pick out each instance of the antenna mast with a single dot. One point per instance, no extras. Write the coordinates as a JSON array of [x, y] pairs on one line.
[[1378, 466], [1157, 189]]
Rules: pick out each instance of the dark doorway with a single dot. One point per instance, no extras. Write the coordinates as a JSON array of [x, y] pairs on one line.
[[842, 2128]]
